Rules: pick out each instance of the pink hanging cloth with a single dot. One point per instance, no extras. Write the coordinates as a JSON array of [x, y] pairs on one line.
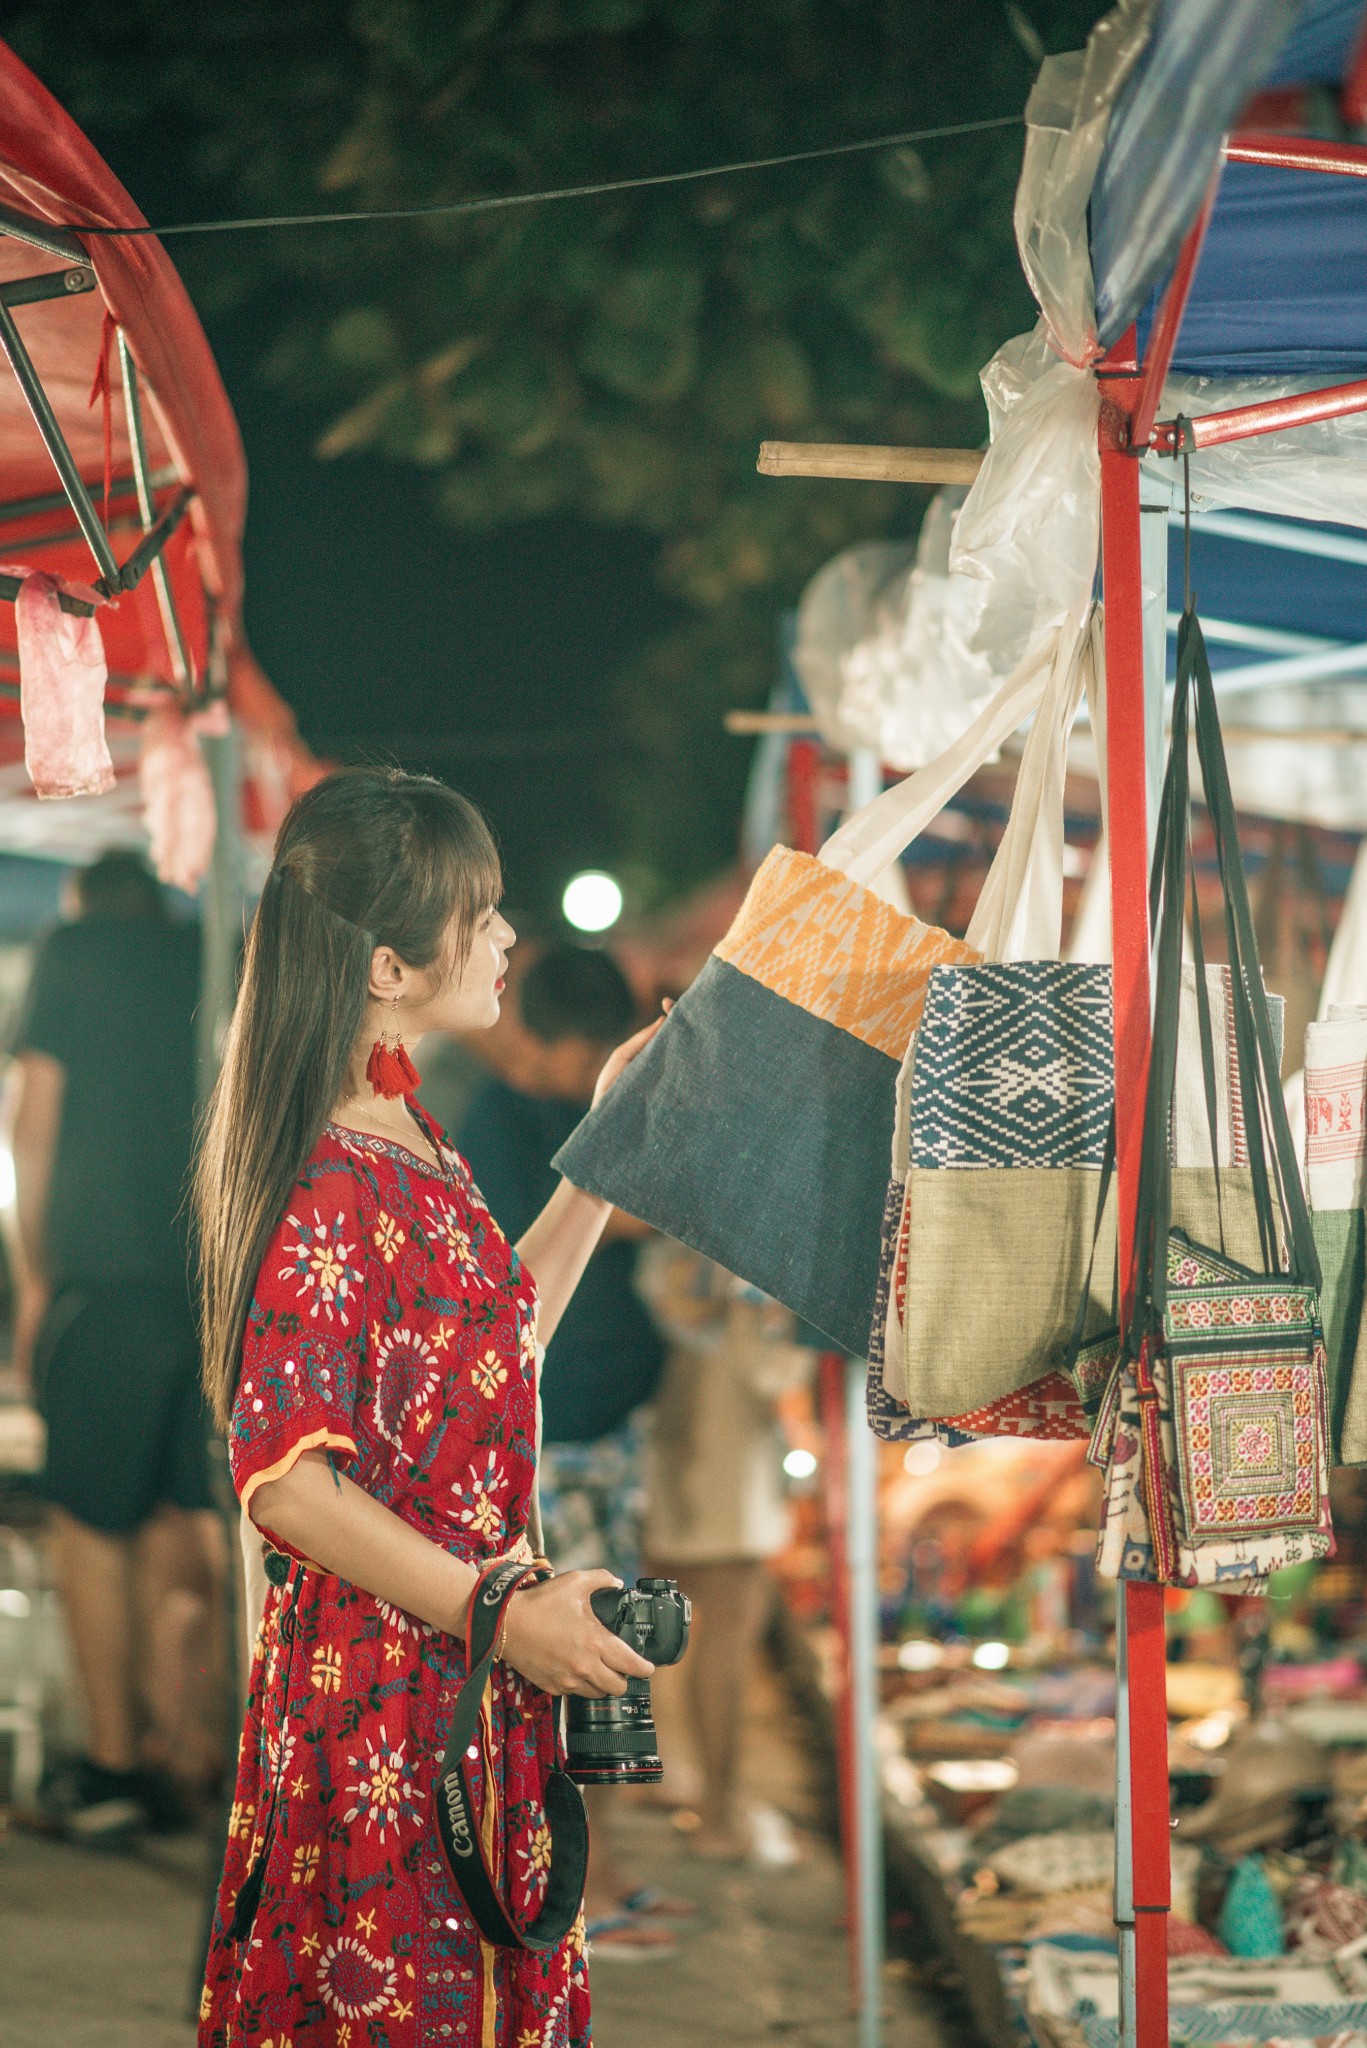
[[62, 677], [178, 799]]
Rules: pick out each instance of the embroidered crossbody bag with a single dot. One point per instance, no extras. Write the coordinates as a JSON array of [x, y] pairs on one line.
[[1213, 1425]]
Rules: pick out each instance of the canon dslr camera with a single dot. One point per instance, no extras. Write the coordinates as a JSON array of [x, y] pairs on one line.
[[612, 1741]]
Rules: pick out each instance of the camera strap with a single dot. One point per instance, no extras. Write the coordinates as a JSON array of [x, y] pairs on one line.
[[458, 1822]]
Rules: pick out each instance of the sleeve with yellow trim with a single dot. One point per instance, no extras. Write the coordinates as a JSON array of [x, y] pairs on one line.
[[304, 1343]]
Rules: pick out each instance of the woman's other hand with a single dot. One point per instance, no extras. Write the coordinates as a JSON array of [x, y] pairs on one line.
[[554, 1638], [630, 1049]]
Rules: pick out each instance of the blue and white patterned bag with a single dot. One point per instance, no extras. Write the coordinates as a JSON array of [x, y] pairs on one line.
[[1010, 1067]]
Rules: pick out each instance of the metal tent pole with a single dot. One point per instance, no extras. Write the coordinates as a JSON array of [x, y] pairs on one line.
[[221, 904], [868, 1917], [861, 1551], [848, 1470], [220, 908], [834, 1412], [1142, 1843]]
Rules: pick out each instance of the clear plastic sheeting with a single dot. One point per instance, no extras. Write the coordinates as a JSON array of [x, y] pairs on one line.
[[1067, 119], [1318, 471], [880, 644], [849, 651], [900, 653], [1030, 526]]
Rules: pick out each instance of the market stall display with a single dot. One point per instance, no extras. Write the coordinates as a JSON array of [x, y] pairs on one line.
[[1107, 129], [123, 492]]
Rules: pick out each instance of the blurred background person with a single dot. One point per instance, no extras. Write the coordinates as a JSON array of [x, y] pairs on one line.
[[104, 1104], [603, 1363], [715, 1511]]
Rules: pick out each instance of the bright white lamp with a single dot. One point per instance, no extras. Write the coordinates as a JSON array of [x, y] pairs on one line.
[[592, 902]]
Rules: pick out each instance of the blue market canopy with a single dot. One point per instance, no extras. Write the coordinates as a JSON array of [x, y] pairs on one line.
[[1256, 269], [1278, 587], [1281, 286], [1194, 78]]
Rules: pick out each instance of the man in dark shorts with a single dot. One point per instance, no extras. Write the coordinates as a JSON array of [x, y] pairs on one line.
[[105, 1332]]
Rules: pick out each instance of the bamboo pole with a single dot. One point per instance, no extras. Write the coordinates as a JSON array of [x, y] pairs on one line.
[[747, 723], [770, 721], [1305, 735], [869, 464]]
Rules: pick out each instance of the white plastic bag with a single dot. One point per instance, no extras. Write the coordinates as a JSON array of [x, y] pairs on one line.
[[1067, 116], [901, 656], [1030, 526], [1317, 471], [848, 648]]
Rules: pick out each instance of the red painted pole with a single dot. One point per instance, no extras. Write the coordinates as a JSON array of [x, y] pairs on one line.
[[1168, 323], [1298, 153], [1269, 416], [804, 794], [1129, 848]]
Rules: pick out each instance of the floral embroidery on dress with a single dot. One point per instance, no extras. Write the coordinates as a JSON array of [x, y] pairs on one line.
[[396, 1618], [489, 1375], [408, 1374], [320, 1259], [387, 1238], [481, 1510], [385, 1792], [452, 1232], [353, 1981]]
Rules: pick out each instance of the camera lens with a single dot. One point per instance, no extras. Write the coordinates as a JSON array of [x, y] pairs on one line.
[[613, 1741]]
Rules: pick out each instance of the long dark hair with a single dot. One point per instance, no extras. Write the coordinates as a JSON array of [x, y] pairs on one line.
[[368, 857]]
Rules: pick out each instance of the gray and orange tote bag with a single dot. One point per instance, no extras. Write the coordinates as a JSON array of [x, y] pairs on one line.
[[758, 1125]]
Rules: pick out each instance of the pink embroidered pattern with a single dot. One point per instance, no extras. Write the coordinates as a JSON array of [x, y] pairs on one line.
[[1225, 1311], [1335, 1113], [1248, 1440]]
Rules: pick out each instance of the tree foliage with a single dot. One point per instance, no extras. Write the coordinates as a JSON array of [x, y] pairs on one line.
[[617, 358]]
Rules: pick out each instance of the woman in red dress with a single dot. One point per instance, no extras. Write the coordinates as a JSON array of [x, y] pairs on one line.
[[371, 1345]]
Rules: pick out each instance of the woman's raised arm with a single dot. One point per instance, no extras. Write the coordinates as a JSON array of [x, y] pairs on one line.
[[564, 1237]]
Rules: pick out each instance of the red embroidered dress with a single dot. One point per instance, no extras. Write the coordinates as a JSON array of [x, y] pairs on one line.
[[394, 1326]]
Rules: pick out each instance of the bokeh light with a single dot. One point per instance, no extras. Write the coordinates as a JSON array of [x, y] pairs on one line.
[[992, 1656], [592, 902]]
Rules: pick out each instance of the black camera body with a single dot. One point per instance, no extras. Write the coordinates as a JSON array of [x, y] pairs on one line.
[[612, 1741]]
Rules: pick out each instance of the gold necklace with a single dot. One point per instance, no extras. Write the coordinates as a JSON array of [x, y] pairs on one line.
[[401, 1138]]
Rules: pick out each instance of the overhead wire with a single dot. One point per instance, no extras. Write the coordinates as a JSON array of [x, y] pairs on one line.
[[505, 201]]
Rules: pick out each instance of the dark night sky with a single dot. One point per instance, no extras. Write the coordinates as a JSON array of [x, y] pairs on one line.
[[395, 636], [476, 657]]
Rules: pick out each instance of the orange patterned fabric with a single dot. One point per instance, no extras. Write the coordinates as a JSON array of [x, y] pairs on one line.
[[839, 952]]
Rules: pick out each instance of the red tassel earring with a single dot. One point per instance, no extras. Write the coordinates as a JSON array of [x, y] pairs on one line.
[[389, 1070]]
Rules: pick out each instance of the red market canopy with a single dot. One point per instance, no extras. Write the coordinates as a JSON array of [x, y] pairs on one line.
[[161, 429]]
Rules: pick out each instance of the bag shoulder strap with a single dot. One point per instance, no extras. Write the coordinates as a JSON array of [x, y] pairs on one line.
[[1019, 912], [1276, 1180], [1272, 1149], [873, 838]]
